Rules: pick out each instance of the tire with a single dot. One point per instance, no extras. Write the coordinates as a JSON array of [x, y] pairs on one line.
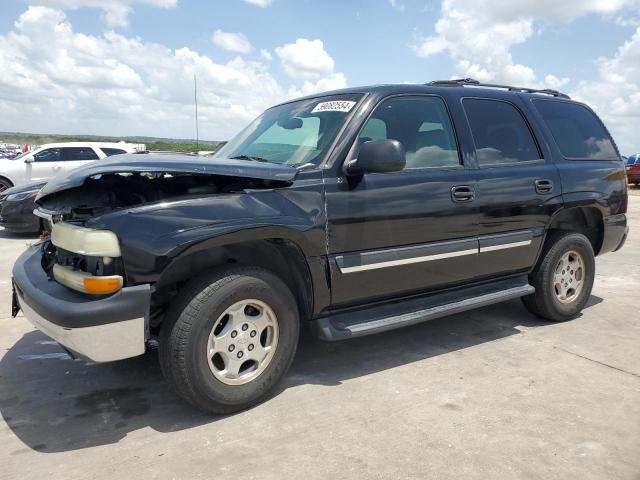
[[551, 300], [4, 184], [205, 316]]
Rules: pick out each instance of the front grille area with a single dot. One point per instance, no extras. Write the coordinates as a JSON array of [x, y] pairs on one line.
[[97, 266]]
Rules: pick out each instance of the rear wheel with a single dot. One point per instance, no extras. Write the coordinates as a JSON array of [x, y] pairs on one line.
[[230, 339], [563, 278]]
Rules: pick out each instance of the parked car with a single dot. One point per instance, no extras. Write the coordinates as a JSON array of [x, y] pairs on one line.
[[53, 159], [633, 169], [354, 212], [16, 208]]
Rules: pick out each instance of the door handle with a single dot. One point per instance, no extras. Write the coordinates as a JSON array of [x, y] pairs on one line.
[[463, 193], [544, 186]]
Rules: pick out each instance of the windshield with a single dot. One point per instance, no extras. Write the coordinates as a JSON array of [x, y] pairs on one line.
[[23, 154], [294, 133]]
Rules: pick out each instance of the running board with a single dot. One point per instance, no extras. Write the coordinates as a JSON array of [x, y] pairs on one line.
[[342, 326]]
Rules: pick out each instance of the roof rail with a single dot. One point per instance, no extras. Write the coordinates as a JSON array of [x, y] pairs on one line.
[[462, 82]]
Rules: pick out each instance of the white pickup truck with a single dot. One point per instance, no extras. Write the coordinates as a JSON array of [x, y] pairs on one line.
[[52, 159]]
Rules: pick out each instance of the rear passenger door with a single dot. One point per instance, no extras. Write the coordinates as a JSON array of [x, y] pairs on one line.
[[518, 188], [74, 157]]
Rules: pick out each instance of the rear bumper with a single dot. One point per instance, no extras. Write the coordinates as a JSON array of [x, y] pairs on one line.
[[100, 329], [615, 233]]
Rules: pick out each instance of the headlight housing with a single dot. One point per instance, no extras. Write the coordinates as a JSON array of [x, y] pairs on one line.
[[16, 197], [87, 260]]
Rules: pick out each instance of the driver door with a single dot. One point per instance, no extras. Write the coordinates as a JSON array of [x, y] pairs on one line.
[[46, 164], [54, 161], [399, 233]]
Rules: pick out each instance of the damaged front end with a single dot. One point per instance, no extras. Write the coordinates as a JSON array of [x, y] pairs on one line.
[[87, 258], [104, 193]]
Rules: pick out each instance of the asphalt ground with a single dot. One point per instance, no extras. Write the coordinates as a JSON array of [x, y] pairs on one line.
[[490, 394]]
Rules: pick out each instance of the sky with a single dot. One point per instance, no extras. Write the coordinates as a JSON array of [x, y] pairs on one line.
[[127, 67]]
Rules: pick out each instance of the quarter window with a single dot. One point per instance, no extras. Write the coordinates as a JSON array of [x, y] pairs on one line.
[[112, 151], [577, 131], [421, 124], [500, 133]]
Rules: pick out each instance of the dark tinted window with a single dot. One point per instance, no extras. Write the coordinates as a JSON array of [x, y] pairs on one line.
[[71, 154], [421, 124], [112, 151], [48, 155], [500, 133], [577, 131]]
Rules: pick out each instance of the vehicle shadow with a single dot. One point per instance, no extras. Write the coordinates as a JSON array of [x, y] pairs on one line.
[[53, 403]]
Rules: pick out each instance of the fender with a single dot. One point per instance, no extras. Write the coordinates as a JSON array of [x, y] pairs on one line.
[[153, 237]]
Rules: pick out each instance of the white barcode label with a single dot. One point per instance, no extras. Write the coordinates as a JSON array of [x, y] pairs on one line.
[[335, 106]]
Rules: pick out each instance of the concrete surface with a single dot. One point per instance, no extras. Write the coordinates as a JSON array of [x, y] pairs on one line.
[[492, 394]]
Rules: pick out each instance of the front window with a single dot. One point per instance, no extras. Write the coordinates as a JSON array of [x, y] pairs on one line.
[[421, 124], [295, 133]]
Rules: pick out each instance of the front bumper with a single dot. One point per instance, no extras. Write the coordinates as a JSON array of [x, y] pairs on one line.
[[18, 216], [100, 329]]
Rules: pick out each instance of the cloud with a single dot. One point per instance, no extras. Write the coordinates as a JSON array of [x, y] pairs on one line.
[[397, 4], [334, 81], [479, 35], [259, 3], [61, 81], [116, 12], [305, 59], [266, 55], [615, 94], [233, 42], [554, 82]]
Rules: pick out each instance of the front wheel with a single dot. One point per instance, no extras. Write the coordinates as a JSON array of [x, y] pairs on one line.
[[5, 184], [230, 338], [563, 278]]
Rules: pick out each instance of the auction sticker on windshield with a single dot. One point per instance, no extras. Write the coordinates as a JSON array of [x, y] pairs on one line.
[[335, 106]]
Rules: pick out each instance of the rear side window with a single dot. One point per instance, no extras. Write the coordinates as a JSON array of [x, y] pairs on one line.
[[112, 151], [500, 133], [71, 154], [577, 131]]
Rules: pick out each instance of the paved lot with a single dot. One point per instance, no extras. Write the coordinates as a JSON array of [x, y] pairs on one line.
[[489, 394]]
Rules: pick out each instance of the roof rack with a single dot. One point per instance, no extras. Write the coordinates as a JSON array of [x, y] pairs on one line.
[[462, 82]]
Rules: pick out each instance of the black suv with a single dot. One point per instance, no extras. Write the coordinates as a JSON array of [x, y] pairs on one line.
[[355, 212]]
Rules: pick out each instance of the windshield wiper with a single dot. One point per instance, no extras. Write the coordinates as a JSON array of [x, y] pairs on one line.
[[249, 157]]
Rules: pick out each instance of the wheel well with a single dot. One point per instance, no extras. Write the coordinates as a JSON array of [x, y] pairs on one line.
[[6, 180], [585, 220], [282, 257]]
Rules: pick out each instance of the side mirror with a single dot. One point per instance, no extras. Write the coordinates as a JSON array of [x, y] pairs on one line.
[[28, 160], [377, 156]]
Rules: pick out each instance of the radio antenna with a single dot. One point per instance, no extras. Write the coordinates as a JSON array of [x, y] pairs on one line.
[[195, 100]]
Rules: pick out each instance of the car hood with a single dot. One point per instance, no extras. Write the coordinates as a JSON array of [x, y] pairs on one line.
[[171, 164]]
